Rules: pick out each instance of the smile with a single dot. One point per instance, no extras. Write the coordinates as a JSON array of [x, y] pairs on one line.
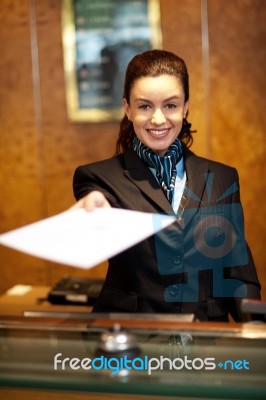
[[158, 132]]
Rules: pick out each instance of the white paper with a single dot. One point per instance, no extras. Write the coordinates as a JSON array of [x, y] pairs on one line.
[[84, 239], [19, 290]]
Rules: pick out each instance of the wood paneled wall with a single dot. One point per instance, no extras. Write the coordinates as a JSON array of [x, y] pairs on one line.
[[223, 45]]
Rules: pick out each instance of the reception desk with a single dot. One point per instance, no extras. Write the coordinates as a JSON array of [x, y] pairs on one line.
[[70, 356]]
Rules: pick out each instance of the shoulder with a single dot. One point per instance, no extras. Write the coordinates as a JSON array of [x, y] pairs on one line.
[[114, 165], [106, 166], [218, 178]]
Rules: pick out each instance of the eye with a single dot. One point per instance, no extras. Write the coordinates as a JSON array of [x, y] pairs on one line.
[[171, 106], [145, 106]]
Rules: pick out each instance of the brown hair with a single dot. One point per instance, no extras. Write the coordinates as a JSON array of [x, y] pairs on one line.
[[153, 63]]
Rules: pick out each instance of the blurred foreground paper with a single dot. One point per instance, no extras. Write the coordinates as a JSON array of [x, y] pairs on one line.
[[84, 239]]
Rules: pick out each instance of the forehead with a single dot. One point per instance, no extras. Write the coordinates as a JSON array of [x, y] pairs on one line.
[[162, 85]]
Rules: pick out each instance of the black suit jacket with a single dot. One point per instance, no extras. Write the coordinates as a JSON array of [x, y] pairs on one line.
[[153, 275]]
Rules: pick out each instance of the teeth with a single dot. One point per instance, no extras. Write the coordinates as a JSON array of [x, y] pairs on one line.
[[158, 133]]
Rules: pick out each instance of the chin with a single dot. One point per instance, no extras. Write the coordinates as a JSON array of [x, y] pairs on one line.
[[161, 148], [159, 152]]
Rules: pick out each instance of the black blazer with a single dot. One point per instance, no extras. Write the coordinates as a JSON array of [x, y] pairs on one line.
[[145, 279]]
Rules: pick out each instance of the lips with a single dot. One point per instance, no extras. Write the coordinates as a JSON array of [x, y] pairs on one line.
[[158, 132]]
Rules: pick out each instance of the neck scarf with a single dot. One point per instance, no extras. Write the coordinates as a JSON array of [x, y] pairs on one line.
[[165, 166]]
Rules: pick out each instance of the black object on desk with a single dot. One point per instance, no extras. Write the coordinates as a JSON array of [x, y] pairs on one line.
[[73, 290], [254, 310]]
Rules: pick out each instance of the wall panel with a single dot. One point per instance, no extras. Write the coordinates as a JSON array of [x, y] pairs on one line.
[[237, 98], [20, 180]]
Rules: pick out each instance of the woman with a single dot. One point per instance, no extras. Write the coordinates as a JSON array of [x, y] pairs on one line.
[[189, 267]]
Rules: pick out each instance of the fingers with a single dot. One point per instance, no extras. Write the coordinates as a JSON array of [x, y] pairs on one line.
[[95, 199], [91, 201]]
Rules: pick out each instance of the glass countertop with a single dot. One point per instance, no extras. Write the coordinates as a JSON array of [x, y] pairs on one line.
[[125, 355]]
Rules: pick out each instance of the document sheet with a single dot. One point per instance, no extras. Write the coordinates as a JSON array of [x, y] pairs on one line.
[[84, 239]]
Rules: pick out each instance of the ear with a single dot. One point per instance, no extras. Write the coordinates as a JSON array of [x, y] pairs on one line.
[[186, 105], [126, 108]]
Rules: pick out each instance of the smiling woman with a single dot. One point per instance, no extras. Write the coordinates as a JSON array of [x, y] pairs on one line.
[[182, 269]]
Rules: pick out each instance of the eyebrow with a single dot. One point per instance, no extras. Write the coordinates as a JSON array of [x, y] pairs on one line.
[[165, 101]]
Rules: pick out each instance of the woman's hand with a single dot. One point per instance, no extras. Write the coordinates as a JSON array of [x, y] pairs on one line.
[[91, 201]]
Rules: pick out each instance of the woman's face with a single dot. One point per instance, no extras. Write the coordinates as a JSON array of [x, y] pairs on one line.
[[156, 108]]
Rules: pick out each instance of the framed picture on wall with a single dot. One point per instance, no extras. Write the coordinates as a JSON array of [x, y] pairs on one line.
[[99, 39]]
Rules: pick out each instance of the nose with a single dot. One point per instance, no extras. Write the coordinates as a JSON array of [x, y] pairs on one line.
[[158, 117]]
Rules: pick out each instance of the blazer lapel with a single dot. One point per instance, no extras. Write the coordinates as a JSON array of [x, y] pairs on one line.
[[138, 172], [198, 175]]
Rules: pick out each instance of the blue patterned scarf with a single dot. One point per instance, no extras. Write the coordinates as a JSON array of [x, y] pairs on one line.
[[165, 166]]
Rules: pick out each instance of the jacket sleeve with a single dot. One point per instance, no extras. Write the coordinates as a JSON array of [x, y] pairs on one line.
[[86, 181]]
